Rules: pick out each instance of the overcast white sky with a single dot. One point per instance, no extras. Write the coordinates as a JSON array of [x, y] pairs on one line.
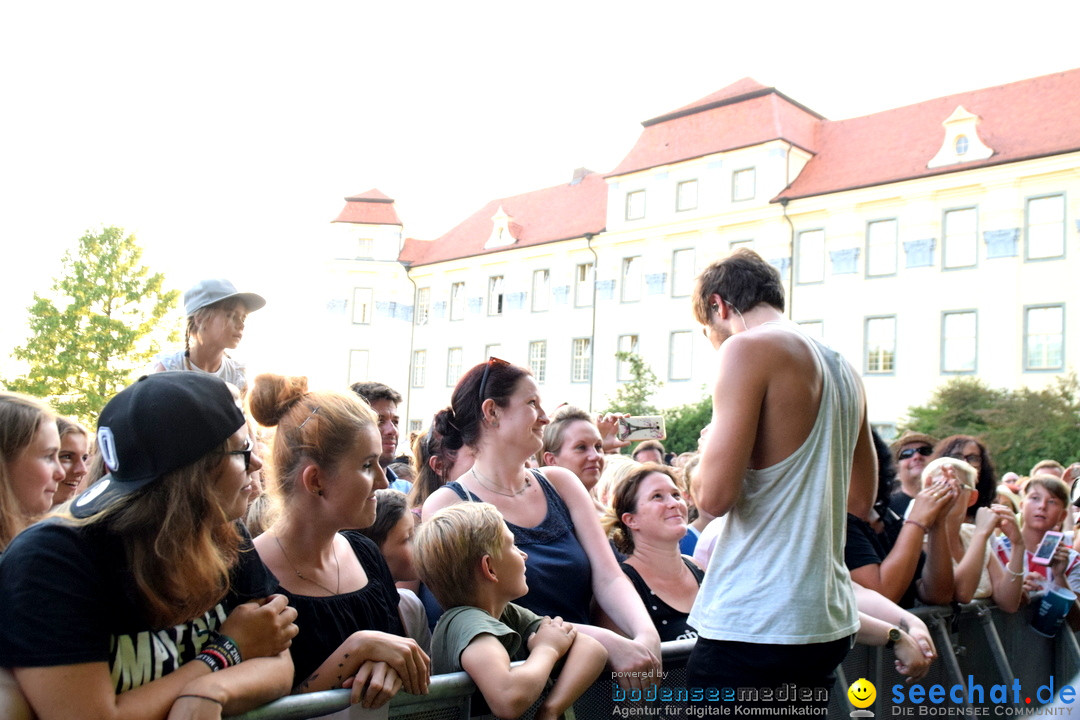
[[225, 134]]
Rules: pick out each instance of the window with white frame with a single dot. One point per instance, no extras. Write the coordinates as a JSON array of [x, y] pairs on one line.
[[581, 360], [495, 295], [631, 279], [541, 290], [457, 301], [419, 368], [583, 285], [538, 360], [1046, 227], [423, 306], [635, 205], [959, 341], [1044, 338], [686, 195], [365, 248], [358, 366], [363, 306], [680, 355], [742, 184], [416, 426], [813, 328], [493, 350], [682, 272], [881, 248], [453, 366], [627, 344], [960, 231], [811, 257], [880, 345]]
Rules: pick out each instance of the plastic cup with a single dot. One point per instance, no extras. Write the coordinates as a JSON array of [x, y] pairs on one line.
[[1052, 610]]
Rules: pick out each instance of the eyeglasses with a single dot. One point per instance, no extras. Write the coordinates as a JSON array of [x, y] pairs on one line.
[[246, 452], [483, 380], [923, 450]]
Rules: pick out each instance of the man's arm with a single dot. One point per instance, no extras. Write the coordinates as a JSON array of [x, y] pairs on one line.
[[741, 382], [862, 490]]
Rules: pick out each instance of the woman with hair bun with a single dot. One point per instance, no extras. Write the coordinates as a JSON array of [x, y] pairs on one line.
[[435, 466], [326, 471], [144, 600], [495, 410], [30, 470]]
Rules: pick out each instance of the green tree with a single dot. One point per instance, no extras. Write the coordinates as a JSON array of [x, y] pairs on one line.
[[102, 321], [1019, 427], [684, 424], [635, 395]]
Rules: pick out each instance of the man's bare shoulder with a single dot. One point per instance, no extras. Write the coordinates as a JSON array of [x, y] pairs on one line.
[[768, 345]]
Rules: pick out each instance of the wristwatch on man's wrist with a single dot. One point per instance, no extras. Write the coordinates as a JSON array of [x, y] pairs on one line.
[[894, 636]]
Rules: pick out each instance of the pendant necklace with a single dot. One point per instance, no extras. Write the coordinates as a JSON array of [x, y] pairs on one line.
[[493, 488], [306, 579]]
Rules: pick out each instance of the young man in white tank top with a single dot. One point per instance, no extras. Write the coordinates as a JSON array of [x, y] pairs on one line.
[[789, 432]]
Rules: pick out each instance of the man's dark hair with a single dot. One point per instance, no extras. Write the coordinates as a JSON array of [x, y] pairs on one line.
[[742, 279], [372, 391]]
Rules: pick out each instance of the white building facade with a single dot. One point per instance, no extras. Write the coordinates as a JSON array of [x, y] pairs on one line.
[[924, 243]]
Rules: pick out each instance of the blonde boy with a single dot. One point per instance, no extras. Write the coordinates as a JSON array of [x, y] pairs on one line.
[[466, 556]]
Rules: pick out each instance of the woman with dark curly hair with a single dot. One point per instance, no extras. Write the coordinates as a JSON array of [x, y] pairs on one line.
[[646, 520], [974, 453]]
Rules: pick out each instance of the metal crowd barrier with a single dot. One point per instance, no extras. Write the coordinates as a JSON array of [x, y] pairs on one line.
[[976, 643]]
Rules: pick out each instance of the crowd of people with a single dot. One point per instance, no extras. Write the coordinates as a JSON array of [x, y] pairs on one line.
[[216, 544]]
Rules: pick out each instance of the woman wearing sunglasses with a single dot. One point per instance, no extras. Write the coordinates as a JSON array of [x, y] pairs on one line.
[[154, 603], [495, 410]]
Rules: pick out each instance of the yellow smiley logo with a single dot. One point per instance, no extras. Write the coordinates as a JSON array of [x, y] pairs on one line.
[[862, 692]]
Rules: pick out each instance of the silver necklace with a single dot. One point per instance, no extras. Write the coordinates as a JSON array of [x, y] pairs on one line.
[[493, 488], [300, 575]]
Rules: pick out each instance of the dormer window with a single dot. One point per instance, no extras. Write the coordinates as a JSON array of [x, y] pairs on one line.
[[962, 143], [500, 230]]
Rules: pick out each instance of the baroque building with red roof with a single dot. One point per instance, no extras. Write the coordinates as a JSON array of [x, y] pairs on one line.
[[924, 242]]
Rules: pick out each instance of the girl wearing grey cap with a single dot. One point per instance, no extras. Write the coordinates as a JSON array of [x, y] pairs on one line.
[[145, 599], [216, 313]]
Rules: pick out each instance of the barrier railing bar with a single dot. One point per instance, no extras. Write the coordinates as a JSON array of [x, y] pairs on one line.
[[985, 613], [454, 691]]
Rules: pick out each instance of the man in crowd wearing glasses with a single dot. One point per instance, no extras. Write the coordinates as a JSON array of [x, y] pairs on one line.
[[912, 452], [789, 433]]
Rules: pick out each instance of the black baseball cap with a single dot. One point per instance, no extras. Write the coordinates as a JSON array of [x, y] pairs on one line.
[[162, 423]]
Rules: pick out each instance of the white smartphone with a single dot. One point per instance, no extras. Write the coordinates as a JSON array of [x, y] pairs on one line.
[[1047, 547], [642, 427]]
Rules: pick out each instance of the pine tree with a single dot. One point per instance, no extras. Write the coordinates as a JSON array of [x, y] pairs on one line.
[[103, 321]]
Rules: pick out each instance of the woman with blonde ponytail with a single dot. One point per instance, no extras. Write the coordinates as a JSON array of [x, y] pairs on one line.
[[325, 471]]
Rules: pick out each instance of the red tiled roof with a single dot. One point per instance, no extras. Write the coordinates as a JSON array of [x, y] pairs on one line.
[[741, 115], [562, 212], [369, 208], [1021, 120]]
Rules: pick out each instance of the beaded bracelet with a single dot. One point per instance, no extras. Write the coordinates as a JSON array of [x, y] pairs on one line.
[[918, 524]]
